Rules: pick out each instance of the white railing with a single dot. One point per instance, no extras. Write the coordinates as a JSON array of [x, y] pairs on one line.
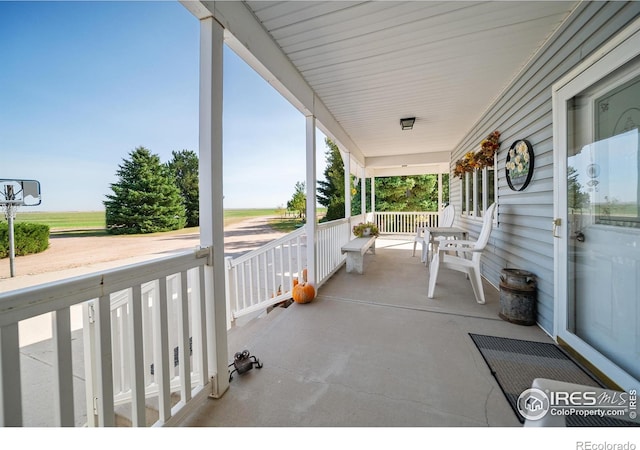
[[404, 222], [129, 313], [142, 320], [264, 277], [123, 342], [330, 237]]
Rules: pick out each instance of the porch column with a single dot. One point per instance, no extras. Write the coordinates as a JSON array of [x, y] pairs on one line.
[[363, 194], [347, 185], [311, 200], [440, 191], [373, 194], [211, 204]]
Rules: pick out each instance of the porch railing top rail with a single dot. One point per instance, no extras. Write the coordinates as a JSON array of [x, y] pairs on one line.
[[332, 223], [271, 245], [33, 301]]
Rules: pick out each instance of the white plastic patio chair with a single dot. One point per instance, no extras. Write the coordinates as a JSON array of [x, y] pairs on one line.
[[447, 216], [470, 266]]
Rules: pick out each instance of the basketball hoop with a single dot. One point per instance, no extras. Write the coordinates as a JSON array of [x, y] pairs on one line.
[[10, 209], [13, 194]]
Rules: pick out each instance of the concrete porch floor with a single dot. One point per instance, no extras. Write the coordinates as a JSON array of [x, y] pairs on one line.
[[371, 351]]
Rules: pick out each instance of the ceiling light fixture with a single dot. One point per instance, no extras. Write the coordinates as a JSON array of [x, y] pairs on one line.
[[407, 123]]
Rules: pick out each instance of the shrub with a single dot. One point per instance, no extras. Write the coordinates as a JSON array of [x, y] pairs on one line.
[[28, 238]]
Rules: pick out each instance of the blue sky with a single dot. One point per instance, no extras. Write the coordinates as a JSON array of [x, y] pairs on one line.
[[82, 84]]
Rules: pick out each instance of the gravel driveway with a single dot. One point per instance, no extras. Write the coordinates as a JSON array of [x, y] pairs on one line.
[[72, 256]]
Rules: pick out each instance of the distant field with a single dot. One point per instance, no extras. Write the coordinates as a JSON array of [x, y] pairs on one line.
[[83, 220], [74, 220]]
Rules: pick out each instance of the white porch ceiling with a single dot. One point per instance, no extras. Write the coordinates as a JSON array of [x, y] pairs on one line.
[[372, 63]]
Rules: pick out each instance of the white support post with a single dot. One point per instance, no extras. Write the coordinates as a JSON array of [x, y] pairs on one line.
[[440, 207], [373, 195], [211, 199], [347, 186], [363, 195], [311, 199]]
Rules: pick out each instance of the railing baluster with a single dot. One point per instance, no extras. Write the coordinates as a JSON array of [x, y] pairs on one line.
[[104, 362], [244, 285], [10, 392], [200, 329], [299, 258], [116, 349], [265, 290], [282, 269], [251, 282], [236, 291], [272, 253], [290, 264], [124, 345], [136, 358], [89, 342], [147, 330], [183, 336], [63, 373], [161, 350]]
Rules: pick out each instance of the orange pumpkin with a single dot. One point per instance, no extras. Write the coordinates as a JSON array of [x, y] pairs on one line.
[[303, 293]]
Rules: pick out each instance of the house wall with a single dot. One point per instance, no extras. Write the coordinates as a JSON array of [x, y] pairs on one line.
[[523, 237]]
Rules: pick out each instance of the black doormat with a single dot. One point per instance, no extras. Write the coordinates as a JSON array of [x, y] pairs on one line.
[[516, 363]]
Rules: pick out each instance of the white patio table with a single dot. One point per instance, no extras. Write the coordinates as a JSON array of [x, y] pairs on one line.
[[431, 233]]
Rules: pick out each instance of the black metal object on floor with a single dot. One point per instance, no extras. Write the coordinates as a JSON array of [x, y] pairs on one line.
[[243, 362]]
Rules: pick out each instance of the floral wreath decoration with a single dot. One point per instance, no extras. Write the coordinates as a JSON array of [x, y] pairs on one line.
[[519, 165], [483, 158]]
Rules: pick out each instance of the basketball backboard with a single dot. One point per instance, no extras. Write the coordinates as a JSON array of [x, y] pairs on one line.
[[20, 192]]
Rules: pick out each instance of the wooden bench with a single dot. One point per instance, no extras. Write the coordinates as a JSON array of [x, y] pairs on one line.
[[355, 250]]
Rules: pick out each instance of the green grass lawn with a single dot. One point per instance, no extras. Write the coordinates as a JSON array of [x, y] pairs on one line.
[[94, 221], [78, 220]]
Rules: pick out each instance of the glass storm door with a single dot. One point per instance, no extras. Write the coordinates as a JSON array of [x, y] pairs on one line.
[[600, 311]]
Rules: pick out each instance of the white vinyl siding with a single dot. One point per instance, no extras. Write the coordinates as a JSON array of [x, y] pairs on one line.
[[522, 238]]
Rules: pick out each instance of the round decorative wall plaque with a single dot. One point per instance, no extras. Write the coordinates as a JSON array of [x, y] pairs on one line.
[[519, 165]]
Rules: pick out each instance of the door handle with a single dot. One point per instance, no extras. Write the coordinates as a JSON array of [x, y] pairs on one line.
[[556, 224], [580, 236]]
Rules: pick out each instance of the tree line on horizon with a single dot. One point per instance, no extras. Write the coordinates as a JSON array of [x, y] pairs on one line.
[[151, 196], [396, 193]]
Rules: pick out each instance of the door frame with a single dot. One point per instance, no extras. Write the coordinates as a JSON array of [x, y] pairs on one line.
[[614, 54]]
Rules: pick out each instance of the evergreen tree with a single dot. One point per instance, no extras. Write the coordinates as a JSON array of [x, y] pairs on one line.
[[184, 168], [145, 199], [356, 198], [331, 190], [407, 193], [400, 193]]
